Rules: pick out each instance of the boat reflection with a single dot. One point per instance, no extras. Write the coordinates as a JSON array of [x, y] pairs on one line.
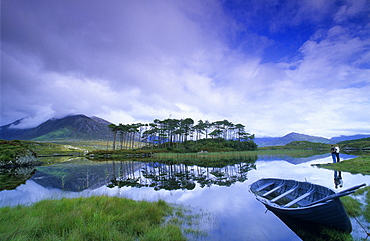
[[307, 230]]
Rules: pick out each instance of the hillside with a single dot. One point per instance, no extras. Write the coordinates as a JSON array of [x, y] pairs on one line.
[[70, 127], [359, 144], [281, 141], [81, 127], [348, 138]]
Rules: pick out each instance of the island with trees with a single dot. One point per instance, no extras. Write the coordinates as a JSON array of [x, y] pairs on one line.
[[182, 135]]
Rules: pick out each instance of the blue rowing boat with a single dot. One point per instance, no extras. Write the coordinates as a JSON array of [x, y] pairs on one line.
[[305, 201]]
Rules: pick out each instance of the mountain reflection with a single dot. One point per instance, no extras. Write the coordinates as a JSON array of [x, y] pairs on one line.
[[172, 176]]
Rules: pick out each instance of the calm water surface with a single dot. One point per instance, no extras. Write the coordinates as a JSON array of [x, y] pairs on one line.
[[229, 211]]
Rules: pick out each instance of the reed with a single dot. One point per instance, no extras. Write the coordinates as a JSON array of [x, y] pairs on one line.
[[353, 206], [94, 218], [367, 207]]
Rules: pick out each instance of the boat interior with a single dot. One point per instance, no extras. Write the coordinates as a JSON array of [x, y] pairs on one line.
[[289, 193]]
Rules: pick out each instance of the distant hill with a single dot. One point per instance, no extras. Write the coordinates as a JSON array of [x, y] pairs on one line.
[[7, 133], [83, 127], [265, 141], [348, 138], [281, 141], [357, 144], [70, 127]]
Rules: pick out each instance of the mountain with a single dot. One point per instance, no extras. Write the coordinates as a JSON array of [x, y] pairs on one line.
[[281, 141], [6, 132], [83, 127], [265, 141], [347, 138], [70, 127]]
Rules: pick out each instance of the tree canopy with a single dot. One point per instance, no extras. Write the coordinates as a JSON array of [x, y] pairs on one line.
[[173, 133]]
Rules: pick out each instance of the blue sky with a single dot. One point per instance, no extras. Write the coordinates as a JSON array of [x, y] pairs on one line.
[[275, 66]]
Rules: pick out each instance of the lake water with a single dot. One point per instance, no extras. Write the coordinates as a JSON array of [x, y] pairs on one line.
[[228, 211]]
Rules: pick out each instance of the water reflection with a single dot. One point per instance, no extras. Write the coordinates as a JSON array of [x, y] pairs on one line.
[[338, 180], [79, 174], [11, 178], [179, 176], [306, 230], [238, 215]]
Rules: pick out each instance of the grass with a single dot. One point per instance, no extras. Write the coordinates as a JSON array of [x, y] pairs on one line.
[[353, 207], [94, 218], [49, 149], [88, 145], [366, 211], [359, 144], [354, 166], [9, 150], [60, 133], [324, 234]]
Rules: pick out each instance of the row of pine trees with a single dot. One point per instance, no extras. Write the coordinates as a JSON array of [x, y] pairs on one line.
[[171, 132]]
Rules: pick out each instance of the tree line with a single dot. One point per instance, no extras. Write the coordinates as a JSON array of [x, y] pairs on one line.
[[172, 132]]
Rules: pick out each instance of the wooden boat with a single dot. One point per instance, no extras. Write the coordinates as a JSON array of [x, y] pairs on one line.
[[304, 201]]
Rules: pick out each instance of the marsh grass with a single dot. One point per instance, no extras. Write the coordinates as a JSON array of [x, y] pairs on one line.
[[353, 207], [357, 165], [194, 226], [367, 207], [334, 235], [94, 218], [354, 166]]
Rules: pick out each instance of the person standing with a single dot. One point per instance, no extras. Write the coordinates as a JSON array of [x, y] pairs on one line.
[[333, 155], [337, 150]]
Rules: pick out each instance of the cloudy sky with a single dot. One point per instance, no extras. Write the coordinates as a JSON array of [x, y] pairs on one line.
[[275, 66]]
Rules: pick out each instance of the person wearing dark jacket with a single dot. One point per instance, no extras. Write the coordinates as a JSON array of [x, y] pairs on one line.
[[333, 155]]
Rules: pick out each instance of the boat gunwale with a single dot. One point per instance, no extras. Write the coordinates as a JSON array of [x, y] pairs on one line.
[[281, 182]]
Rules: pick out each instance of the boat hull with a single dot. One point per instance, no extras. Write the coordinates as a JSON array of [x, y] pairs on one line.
[[330, 213]]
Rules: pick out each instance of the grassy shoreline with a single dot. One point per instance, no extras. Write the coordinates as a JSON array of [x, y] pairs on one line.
[[93, 218], [356, 165]]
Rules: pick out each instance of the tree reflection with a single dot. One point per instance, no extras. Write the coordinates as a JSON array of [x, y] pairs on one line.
[[173, 176], [11, 178]]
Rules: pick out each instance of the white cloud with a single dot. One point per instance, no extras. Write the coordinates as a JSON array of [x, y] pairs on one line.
[[138, 61]]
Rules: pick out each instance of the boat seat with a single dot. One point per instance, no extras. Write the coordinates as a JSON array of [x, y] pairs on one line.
[[285, 193], [308, 193], [264, 186], [274, 189]]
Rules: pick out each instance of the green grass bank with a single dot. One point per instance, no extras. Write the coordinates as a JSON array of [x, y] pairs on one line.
[[93, 218]]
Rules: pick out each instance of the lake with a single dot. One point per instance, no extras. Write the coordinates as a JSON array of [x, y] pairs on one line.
[[219, 195]]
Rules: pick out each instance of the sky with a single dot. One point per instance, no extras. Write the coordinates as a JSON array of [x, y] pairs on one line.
[[274, 66]]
